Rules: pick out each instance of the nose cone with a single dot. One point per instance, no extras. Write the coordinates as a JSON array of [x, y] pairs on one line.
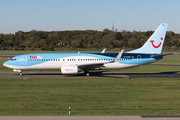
[[6, 64]]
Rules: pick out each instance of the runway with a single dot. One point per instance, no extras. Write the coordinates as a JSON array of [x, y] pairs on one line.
[[92, 75], [89, 117]]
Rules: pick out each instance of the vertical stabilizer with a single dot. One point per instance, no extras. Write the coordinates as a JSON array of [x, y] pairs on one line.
[[155, 43]]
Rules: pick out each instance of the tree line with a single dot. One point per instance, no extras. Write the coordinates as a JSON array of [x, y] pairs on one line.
[[82, 39]]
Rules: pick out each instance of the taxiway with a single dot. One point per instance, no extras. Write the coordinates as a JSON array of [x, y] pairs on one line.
[[92, 75]]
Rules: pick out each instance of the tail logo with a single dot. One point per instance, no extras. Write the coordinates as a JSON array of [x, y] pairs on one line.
[[152, 42]]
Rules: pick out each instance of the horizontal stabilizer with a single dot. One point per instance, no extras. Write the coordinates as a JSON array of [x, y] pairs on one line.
[[153, 56]]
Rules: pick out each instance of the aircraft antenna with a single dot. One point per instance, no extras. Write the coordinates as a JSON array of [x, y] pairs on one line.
[[113, 26]]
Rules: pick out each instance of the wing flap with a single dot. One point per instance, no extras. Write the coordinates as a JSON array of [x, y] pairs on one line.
[[91, 65]]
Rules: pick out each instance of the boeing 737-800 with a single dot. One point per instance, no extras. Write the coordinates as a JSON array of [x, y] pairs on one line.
[[72, 63]]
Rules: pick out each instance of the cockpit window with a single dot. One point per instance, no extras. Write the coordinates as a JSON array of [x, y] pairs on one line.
[[13, 59]]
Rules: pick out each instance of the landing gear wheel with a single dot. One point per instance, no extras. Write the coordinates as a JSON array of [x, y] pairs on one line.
[[86, 73], [20, 73]]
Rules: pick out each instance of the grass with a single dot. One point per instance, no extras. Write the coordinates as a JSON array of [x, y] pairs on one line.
[[170, 59], [2, 68], [149, 68], [107, 96]]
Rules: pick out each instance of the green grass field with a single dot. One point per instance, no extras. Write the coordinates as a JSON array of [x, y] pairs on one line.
[[170, 59], [107, 96]]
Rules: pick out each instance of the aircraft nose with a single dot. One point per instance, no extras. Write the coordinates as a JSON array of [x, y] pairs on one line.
[[5, 64]]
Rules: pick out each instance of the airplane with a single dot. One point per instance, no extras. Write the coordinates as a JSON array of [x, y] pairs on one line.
[[72, 63]]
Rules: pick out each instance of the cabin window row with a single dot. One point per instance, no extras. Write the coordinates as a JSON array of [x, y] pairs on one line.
[[90, 59], [43, 59], [75, 59]]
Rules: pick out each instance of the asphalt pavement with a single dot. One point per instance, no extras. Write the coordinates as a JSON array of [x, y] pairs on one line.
[[170, 75], [89, 117]]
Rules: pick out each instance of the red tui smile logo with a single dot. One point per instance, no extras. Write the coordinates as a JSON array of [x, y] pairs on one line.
[[152, 42]]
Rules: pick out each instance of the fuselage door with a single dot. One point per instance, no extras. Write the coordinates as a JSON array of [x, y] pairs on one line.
[[24, 60], [139, 59]]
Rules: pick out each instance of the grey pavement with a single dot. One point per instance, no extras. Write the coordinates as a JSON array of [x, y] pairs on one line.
[[88, 118], [170, 75]]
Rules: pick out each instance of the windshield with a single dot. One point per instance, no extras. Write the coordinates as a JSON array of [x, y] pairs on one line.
[[13, 59]]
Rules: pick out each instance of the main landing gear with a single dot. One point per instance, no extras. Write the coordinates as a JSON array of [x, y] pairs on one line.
[[20, 73], [86, 72]]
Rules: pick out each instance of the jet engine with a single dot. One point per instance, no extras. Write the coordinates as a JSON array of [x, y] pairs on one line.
[[69, 69]]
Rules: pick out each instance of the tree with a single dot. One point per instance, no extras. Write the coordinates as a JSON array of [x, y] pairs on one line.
[[19, 35], [118, 36]]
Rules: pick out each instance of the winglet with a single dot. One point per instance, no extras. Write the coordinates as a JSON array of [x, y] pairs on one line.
[[103, 51], [119, 56]]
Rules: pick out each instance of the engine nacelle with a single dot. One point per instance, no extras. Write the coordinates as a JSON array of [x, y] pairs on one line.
[[69, 69]]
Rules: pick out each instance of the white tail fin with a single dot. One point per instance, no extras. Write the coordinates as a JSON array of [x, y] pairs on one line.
[[155, 43]]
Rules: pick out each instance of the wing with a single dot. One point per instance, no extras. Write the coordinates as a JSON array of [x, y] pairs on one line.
[[91, 66]]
